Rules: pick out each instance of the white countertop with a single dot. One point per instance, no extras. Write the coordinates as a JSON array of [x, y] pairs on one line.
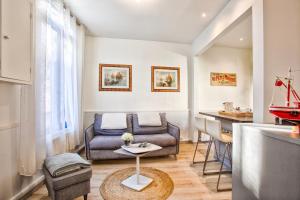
[[275, 131]]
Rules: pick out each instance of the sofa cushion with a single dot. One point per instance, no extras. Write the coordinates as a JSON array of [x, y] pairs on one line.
[[105, 142], [114, 121], [149, 119], [163, 140], [99, 131], [143, 130], [102, 142]]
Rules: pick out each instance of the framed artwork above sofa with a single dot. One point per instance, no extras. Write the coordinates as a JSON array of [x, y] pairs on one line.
[[165, 79], [115, 77]]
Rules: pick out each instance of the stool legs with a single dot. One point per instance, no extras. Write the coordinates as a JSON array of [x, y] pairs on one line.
[[207, 154], [198, 141], [212, 140], [227, 149], [220, 172]]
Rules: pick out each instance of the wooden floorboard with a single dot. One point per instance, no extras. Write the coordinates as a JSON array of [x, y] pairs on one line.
[[189, 184]]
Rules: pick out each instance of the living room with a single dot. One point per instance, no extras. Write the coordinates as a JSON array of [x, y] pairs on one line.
[[148, 99]]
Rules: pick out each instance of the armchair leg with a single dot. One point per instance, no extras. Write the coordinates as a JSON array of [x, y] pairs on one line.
[[85, 197]]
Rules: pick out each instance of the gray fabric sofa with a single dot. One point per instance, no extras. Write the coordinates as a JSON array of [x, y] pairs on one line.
[[100, 144]]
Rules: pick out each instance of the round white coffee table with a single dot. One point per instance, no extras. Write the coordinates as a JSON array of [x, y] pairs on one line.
[[137, 181]]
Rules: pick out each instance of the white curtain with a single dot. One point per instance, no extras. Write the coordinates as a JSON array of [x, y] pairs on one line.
[[57, 88], [80, 75]]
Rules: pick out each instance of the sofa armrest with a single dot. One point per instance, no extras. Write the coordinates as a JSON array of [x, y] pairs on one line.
[[175, 132], [88, 136]]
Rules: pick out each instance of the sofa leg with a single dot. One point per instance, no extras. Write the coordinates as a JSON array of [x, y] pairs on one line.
[[85, 197], [175, 156]]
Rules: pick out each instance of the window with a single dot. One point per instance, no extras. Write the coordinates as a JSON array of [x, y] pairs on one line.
[[60, 72]]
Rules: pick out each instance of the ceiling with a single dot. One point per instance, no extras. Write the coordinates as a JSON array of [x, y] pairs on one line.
[[157, 20], [238, 35]]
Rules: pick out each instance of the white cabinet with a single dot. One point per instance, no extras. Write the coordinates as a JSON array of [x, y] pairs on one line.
[[16, 41]]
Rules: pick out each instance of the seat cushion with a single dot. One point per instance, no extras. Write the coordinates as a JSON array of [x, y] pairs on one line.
[[143, 130], [99, 131], [163, 140], [69, 179], [106, 142], [101, 142]]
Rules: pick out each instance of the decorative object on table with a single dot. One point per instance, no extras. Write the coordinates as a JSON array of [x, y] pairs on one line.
[[165, 79], [291, 110], [236, 113], [67, 176], [160, 189], [115, 77], [229, 110], [228, 106], [222, 79], [143, 145], [127, 138]]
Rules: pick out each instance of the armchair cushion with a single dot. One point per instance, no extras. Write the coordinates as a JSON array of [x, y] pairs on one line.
[[99, 131], [144, 130]]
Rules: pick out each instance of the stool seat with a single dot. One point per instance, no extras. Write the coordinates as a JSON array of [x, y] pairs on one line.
[[69, 186], [226, 138]]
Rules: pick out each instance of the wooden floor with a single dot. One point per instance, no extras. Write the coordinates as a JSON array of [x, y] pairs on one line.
[[188, 180]]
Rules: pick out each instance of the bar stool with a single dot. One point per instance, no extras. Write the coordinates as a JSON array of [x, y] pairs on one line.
[[213, 128], [200, 125]]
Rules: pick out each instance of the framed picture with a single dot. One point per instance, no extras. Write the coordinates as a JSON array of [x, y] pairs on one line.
[[165, 79], [222, 79], [115, 77]]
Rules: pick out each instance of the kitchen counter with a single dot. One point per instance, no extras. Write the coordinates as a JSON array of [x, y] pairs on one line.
[[226, 123], [266, 160], [226, 117]]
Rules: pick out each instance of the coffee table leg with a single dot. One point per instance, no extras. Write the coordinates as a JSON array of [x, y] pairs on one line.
[[137, 181], [138, 170]]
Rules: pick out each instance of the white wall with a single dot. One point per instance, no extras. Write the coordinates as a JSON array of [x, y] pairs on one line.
[[281, 45], [223, 59], [232, 12], [11, 183], [142, 55]]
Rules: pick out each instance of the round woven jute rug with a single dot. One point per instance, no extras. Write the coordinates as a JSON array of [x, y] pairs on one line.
[[160, 189]]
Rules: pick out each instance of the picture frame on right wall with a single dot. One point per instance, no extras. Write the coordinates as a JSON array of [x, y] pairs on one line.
[[165, 79], [223, 79]]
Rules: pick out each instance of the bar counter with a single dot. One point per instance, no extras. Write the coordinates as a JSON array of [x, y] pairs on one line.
[[226, 123]]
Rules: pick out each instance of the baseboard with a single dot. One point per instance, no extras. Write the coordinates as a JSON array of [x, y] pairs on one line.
[[186, 142], [29, 189], [79, 149]]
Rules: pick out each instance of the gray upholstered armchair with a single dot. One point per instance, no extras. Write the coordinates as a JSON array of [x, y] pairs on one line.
[[100, 144]]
